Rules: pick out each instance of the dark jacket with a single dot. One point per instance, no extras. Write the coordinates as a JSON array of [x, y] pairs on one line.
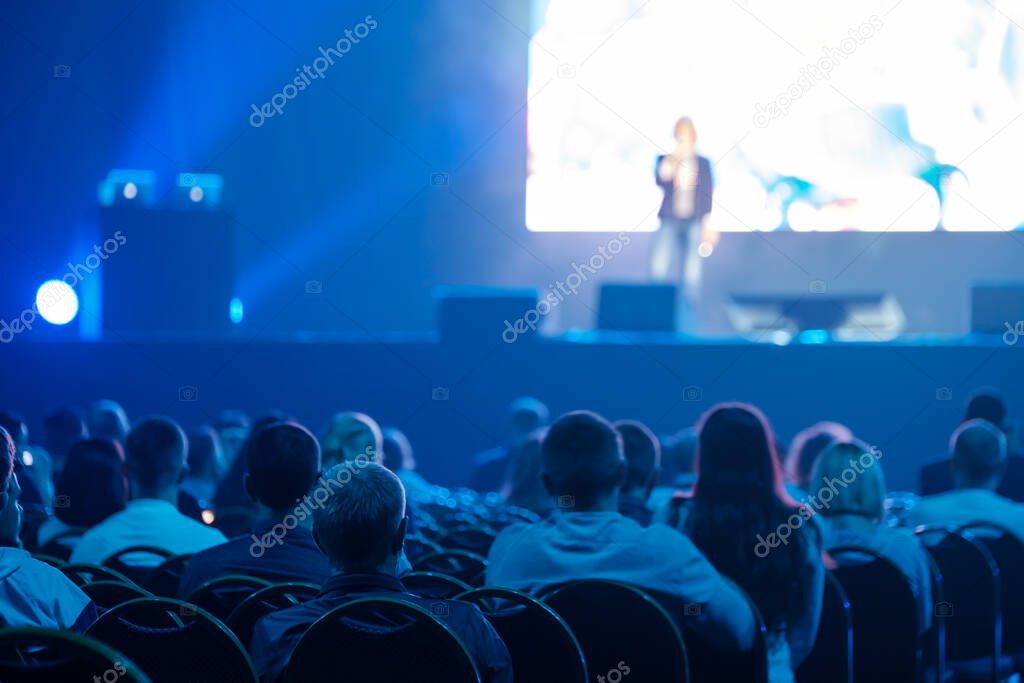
[[701, 193]]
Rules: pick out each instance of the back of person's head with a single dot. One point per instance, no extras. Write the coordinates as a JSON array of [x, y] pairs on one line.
[[231, 490], [361, 524], [155, 456], [678, 456], [736, 458], [351, 434], [807, 445], [16, 427], [204, 453], [986, 404], [643, 456], [92, 486], [525, 416], [283, 461], [397, 451], [848, 480], [62, 428], [108, 420], [582, 457], [523, 484], [979, 454]]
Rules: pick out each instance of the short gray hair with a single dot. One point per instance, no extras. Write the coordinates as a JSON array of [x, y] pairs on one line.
[[356, 525]]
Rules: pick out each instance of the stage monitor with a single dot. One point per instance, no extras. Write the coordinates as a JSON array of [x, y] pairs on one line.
[[815, 115], [635, 307], [870, 317], [998, 308]]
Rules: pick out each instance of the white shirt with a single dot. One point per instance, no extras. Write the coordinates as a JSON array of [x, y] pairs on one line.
[[964, 506], [146, 521], [32, 593]]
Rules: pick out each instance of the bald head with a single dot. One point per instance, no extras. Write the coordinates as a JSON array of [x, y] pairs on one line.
[[348, 435], [979, 454]]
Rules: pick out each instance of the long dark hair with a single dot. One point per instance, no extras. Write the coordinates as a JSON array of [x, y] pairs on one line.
[[740, 497]]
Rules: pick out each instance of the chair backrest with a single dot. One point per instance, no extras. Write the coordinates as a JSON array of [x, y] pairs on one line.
[[174, 641], [433, 585], [971, 605], [381, 640], [706, 663], [50, 560], [222, 595], [419, 546], [108, 594], [475, 539], [461, 564], [886, 641], [1008, 552], [40, 654], [128, 562], [81, 574], [59, 545], [165, 578], [831, 657], [543, 647], [604, 617], [242, 620]]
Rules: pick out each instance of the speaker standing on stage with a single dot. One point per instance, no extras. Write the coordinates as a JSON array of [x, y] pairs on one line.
[[685, 177]]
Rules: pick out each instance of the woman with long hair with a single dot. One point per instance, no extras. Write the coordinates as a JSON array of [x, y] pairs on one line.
[[748, 527]]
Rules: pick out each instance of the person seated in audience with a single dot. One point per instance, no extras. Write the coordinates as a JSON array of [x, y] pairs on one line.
[[524, 487], [803, 452], [231, 496], [985, 404], [91, 488], [588, 538], [61, 429], [204, 456], [856, 516], [490, 468], [283, 466], [643, 462], [32, 593], [398, 457], [156, 464], [740, 499], [348, 435], [35, 465], [106, 419], [979, 461], [678, 457], [232, 427], [361, 528]]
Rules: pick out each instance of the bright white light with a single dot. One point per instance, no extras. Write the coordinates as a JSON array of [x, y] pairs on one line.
[[130, 191], [57, 302], [705, 249], [196, 194]]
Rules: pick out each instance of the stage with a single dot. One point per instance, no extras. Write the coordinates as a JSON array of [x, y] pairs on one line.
[[904, 397]]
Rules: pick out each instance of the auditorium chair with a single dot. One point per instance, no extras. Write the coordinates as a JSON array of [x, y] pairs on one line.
[[1008, 552], [831, 657], [174, 641], [222, 595], [50, 560], [710, 666], [605, 617], [29, 655], [433, 585], [543, 647], [165, 578], [242, 620], [136, 572], [475, 539], [417, 546], [59, 547], [109, 594], [461, 564], [886, 616], [382, 640], [82, 573]]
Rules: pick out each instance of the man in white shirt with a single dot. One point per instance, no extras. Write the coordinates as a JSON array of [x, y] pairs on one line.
[[587, 537], [979, 461], [32, 593], [156, 463]]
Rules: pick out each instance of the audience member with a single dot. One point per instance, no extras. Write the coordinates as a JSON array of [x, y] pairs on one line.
[[232, 427], [32, 593], [36, 467], [587, 536], [155, 458], [804, 450], [283, 466], [204, 464], [106, 419], [361, 528], [61, 429], [643, 466], [979, 461], [738, 500], [523, 486], [91, 488], [524, 415], [678, 465], [856, 516], [348, 435], [231, 497], [398, 457]]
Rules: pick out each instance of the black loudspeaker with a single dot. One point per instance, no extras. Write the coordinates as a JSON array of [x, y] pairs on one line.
[[487, 315], [635, 307], [997, 307], [174, 274]]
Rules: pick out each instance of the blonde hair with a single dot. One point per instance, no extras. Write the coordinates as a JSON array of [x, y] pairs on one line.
[[859, 489]]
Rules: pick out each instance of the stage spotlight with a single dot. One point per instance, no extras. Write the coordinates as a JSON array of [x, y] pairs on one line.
[[196, 194], [236, 311], [127, 186], [57, 302], [130, 191], [200, 189], [705, 249]]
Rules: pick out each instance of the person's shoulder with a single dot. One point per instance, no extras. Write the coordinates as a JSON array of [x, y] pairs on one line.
[[197, 527], [49, 580]]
